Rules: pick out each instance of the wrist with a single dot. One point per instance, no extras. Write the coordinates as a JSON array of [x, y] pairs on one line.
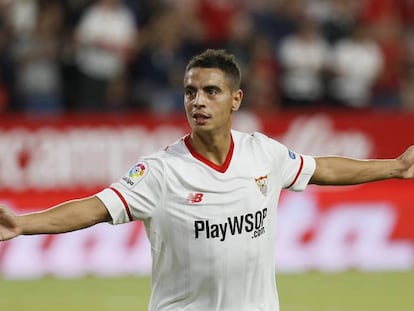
[[399, 168]]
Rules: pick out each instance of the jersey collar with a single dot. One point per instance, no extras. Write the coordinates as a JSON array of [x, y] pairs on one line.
[[219, 168]]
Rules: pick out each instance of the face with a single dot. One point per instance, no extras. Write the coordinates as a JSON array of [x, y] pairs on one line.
[[208, 99]]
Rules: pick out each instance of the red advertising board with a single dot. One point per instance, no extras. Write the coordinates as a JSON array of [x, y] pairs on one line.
[[44, 161]]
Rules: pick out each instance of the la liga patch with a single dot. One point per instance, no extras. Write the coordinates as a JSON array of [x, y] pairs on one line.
[[135, 174]]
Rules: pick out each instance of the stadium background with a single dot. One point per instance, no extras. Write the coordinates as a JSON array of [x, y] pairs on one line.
[[69, 127]]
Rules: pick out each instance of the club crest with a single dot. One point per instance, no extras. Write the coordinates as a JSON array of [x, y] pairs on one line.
[[261, 183]]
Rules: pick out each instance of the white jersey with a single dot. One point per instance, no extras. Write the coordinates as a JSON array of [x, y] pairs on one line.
[[211, 228]]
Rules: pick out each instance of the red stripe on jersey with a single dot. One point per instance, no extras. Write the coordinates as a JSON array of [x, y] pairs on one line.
[[198, 156], [298, 173], [124, 202]]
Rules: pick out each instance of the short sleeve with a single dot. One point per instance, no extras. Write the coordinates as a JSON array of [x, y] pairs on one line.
[[136, 194], [295, 169]]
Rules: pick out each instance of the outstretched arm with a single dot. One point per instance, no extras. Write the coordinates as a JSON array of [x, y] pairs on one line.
[[65, 217], [347, 171]]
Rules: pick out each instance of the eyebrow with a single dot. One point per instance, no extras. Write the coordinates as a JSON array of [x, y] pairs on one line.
[[211, 87], [206, 87]]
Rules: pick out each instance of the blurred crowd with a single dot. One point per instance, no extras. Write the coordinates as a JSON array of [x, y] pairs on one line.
[[123, 55]]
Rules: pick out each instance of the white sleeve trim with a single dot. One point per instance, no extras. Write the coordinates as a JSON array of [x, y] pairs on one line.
[[115, 205], [305, 173]]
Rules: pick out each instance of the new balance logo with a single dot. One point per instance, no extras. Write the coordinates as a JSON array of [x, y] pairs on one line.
[[194, 197]]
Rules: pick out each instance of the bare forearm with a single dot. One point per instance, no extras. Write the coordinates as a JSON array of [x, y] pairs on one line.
[[347, 171], [65, 217]]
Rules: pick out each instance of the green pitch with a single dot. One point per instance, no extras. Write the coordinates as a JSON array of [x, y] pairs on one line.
[[351, 291]]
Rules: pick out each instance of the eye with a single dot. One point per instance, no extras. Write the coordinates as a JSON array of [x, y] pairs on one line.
[[211, 90], [189, 92]]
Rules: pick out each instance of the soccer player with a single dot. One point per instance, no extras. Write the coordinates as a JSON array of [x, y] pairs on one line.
[[208, 201]]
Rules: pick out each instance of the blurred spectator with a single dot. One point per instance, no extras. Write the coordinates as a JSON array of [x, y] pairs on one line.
[[6, 71], [144, 11], [166, 44], [128, 54], [105, 44], [22, 16], [355, 63], [277, 19], [373, 11], [389, 35], [406, 12], [302, 58], [226, 24], [217, 18], [36, 53], [407, 83], [262, 94], [73, 12], [243, 36], [386, 19], [336, 17]]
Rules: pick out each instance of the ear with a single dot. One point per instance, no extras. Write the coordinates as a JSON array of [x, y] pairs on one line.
[[237, 100]]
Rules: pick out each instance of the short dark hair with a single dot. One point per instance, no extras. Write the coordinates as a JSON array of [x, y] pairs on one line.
[[219, 59]]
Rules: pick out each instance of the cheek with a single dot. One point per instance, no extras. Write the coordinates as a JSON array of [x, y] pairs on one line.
[[188, 108], [187, 105]]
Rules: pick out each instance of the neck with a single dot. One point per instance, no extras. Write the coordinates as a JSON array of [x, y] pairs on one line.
[[212, 147]]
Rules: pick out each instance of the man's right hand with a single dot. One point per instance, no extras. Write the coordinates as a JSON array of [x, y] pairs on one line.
[[8, 224]]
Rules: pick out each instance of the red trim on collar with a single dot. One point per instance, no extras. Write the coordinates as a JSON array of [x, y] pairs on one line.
[[220, 168]]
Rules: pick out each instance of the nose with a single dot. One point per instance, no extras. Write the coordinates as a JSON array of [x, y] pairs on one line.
[[199, 100]]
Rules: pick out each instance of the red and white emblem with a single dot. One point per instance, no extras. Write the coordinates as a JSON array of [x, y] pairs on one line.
[[261, 183]]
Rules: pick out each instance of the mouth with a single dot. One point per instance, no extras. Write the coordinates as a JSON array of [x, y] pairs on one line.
[[200, 118]]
